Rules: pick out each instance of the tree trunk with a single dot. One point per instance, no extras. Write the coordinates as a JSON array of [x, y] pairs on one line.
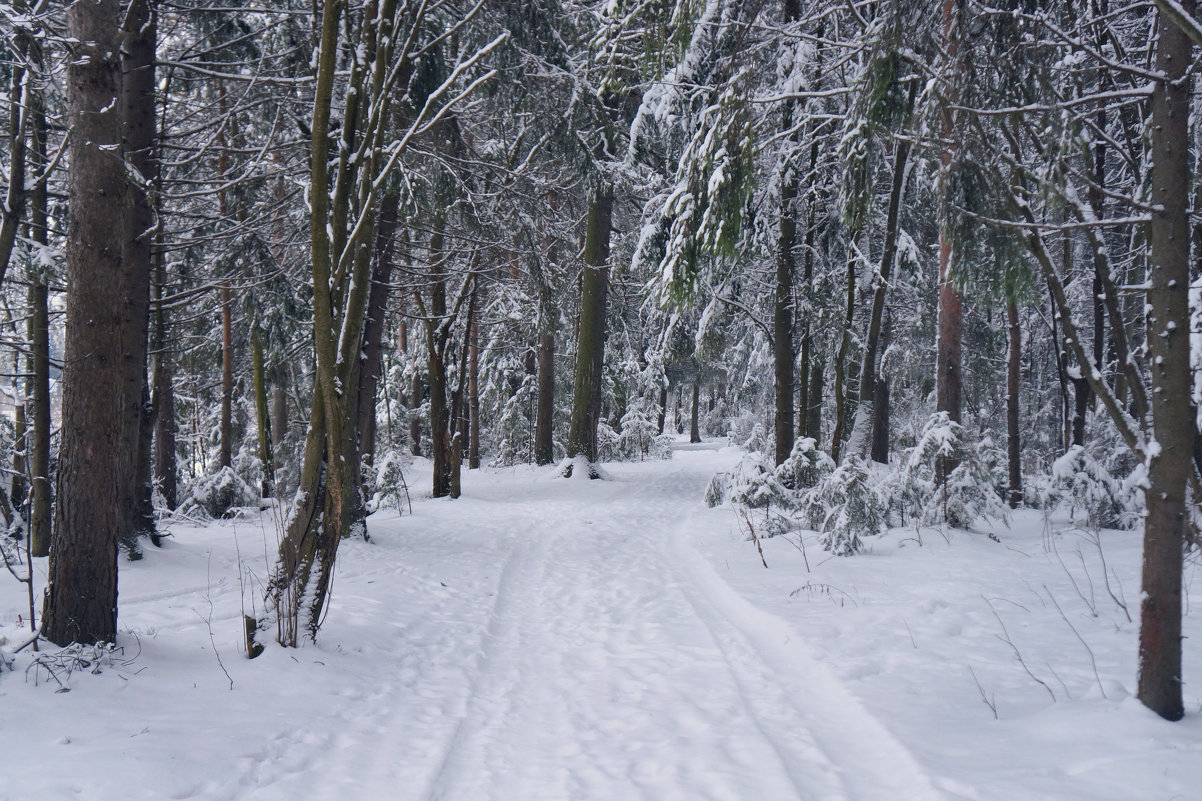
[[279, 427], [1013, 445], [1173, 428], [694, 418], [814, 412], [1081, 398], [415, 421], [13, 206], [948, 380], [880, 421], [341, 231], [140, 39], [226, 451], [663, 408], [590, 343], [163, 400], [39, 345], [17, 489], [782, 321], [262, 417], [39, 451], [373, 331], [841, 363], [473, 392], [861, 441], [101, 391], [436, 347], [544, 446]]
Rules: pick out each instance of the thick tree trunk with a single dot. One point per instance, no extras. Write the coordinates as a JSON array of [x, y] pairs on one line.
[[590, 342], [101, 387], [544, 424], [1013, 449], [1173, 430], [663, 408]]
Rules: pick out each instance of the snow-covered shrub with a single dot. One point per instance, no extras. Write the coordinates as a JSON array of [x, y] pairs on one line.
[[714, 421], [806, 465], [754, 485], [971, 488], [384, 481], [607, 444], [845, 506], [514, 427], [1088, 487], [757, 441], [216, 494], [740, 429], [640, 439]]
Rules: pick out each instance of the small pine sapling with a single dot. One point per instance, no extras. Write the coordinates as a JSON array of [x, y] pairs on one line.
[[844, 507]]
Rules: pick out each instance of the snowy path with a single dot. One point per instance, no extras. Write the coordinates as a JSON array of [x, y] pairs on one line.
[[574, 640], [615, 664]]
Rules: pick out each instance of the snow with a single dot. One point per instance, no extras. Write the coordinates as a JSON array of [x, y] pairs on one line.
[[550, 639]]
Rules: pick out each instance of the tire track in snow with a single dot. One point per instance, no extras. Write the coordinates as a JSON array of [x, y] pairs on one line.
[[494, 677], [764, 645]]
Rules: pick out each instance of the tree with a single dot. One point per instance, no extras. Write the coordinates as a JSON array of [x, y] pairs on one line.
[[1173, 429], [100, 403]]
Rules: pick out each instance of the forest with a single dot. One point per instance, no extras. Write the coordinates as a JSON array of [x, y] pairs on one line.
[[923, 264]]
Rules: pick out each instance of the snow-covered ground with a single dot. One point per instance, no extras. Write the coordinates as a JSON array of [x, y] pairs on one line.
[[545, 638]]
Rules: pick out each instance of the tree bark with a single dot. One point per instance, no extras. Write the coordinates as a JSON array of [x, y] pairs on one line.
[[694, 418], [279, 426], [862, 438], [140, 141], [101, 391], [1173, 429], [1013, 443], [590, 343], [473, 392], [262, 416], [782, 323], [373, 331], [226, 450], [544, 446], [948, 379], [814, 413], [840, 430]]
